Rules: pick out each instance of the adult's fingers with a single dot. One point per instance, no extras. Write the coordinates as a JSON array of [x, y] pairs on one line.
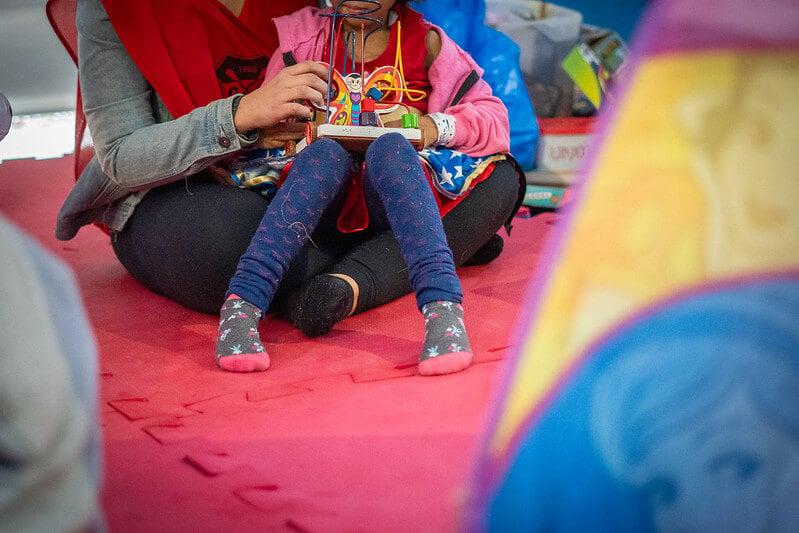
[[279, 98], [308, 67], [313, 81], [299, 81], [303, 92], [291, 109]]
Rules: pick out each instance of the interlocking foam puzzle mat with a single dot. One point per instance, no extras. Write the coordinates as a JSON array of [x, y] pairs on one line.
[[340, 434]]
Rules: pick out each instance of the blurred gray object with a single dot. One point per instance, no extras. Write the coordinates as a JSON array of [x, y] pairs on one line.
[[50, 442], [5, 116], [36, 73]]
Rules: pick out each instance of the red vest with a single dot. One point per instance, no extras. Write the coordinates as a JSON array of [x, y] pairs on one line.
[[196, 51]]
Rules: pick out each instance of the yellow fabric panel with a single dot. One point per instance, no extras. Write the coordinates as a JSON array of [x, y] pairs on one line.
[[695, 182]]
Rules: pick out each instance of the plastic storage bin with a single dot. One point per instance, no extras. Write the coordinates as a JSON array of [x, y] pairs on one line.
[[561, 149], [545, 34]]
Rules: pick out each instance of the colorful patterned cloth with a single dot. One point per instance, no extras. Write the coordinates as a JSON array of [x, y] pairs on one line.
[[656, 387], [452, 171]]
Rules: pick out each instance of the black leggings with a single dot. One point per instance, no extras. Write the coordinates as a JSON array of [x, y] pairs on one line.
[[184, 241]]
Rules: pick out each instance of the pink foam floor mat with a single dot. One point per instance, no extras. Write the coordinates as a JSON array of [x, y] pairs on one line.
[[340, 434]]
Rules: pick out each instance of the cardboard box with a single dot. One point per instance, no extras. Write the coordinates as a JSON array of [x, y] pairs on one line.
[[562, 146]]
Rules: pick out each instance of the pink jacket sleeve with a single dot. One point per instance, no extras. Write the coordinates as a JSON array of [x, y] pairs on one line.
[[481, 119]]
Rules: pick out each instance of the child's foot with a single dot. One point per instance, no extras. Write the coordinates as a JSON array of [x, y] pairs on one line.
[[446, 347], [324, 301], [238, 346]]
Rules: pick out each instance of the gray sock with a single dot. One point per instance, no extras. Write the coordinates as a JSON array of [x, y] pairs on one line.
[[444, 332], [238, 329]]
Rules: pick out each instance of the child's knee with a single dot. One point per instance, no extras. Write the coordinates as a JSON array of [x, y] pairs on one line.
[[327, 149], [388, 144]]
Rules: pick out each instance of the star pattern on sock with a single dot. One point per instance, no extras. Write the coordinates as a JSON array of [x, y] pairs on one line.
[[446, 347], [238, 345]]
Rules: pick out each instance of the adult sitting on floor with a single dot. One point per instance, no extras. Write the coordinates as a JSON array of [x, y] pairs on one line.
[[172, 91]]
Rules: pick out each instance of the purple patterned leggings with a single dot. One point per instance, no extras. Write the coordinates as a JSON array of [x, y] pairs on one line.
[[397, 195]]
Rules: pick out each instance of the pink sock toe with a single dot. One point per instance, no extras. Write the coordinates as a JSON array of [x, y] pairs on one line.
[[247, 362], [445, 363]]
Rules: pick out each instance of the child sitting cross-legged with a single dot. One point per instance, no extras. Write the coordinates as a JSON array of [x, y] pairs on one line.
[[467, 130]]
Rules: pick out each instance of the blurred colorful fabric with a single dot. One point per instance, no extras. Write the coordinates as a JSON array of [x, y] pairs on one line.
[[656, 386]]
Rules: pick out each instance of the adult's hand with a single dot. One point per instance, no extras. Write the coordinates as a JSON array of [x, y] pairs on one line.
[[279, 99], [277, 135]]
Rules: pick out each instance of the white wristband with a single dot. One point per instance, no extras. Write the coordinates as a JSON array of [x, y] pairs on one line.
[[445, 124]]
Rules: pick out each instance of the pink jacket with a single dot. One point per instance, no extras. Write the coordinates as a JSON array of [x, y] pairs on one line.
[[481, 119]]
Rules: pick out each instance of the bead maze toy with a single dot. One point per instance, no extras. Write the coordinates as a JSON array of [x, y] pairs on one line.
[[357, 107], [358, 104]]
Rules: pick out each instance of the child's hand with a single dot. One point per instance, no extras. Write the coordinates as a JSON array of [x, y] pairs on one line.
[[429, 130], [426, 124], [279, 99]]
